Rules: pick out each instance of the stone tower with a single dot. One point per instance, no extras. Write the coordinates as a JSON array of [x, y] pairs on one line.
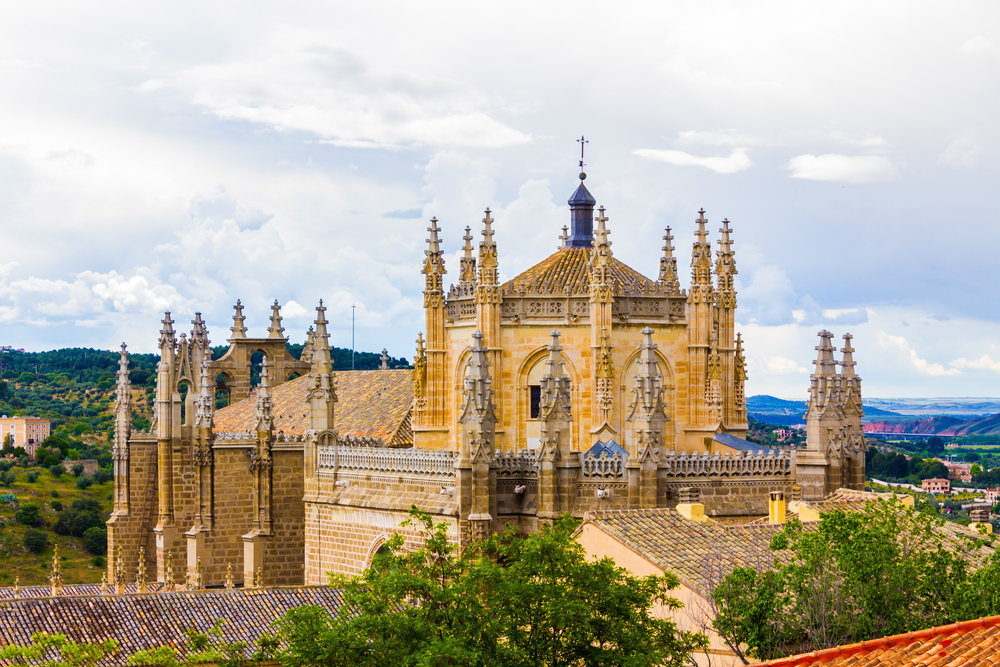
[[835, 444]]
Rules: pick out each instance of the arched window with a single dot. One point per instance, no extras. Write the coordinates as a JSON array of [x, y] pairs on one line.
[[223, 392], [256, 359], [184, 389]]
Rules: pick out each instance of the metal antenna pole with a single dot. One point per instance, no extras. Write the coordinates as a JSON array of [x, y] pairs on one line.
[[352, 336]]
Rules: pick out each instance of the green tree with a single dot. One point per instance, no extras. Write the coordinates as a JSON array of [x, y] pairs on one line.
[[95, 539], [35, 541], [858, 576], [28, 514], [71, 654], [512, 601]]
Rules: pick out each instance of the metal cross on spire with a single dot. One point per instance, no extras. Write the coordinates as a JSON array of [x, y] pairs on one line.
[[583, 142]]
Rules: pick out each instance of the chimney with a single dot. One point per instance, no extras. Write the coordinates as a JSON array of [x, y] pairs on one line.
[[981, 521], [690, 506], [776, 508]]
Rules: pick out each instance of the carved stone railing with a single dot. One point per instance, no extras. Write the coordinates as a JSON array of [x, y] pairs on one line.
[[605, 466], [235, 435], [381, 460], [361, 441], [517, 464], [747, 464]]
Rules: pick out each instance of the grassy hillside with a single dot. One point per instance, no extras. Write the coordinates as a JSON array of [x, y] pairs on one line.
[[49, 494]]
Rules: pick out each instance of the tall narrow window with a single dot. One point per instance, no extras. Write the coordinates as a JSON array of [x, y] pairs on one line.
[[535, 399]]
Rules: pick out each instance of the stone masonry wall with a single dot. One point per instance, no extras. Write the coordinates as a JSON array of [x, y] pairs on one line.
[[233, 515], [135, 529], [284, 555]]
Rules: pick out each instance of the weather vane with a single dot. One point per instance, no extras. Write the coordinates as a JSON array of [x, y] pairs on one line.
[[583, 142]]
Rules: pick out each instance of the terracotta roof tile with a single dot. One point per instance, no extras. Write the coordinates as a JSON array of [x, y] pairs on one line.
[[375, 404], [963, 644], [150, 620], [570, 267]]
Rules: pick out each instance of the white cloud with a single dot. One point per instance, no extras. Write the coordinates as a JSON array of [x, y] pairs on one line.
[[782, 366], [736, 161], [294, 311], [962, 151], [150, 86], [294, 82], [922, 366], [979, 46], [984, 362], [721, 138], [843, 168]]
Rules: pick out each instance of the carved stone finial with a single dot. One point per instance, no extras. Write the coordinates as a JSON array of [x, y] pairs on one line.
[[258, 578], [56, 578], [169, 584], [17, 586], [167, 339], [199, 583], [239, 328], [104, 583], [229, 577], [564, 237], [385, 359], [119, 572], [265, 420], [668, 266], [847, 365], [488, 262], [141, 581], [275, 330], [468, 261]]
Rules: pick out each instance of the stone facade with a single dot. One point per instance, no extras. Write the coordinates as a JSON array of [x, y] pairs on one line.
[[580, 385]]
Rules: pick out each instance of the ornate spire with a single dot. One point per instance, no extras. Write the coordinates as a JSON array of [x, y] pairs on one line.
[[555, 385], [197, 582], [488, 254], [825, 363], [264, 418], [420, 375], [385, 359], [668, 266], [468, 273], [320, 342], [847, 365], [119, 572], [17, 587], [647, 395], [433, 269], [725, 269], [275, 330], [230, 585], [239, 328], [739, 379], [56, 578], [581, 211], [205, 403], [167, 339], [169, 585], [601, 233], [564, 237], [199, 333], [123, 411], [141, 582], [701, 264], [104, 583], [477, 395]]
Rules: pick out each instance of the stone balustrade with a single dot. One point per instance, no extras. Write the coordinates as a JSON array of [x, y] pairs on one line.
[[346, 458]]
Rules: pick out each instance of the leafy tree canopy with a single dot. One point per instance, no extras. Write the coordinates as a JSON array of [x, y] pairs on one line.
[[509, 601]]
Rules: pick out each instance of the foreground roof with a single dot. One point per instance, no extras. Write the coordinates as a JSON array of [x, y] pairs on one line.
[[149, 620], [370, 404], [700, 553], [567, 271], [968, 643]]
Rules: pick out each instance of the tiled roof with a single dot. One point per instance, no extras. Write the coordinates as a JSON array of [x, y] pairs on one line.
[[699, 553], [570, 267], [150, 620], [741, 444], [959, 644], [374, 404]]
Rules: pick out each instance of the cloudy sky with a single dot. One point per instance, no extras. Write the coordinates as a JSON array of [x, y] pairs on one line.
[[181, 155]]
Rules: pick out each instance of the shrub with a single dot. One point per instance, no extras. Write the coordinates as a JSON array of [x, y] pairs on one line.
[[55, 493], [28, 514], [57, 470], [6, 465], [35, 541], [103, 476], [8, 478], [56, 505], [84, 482], [8, 499], [96, 540], [77, 469], [32, 477], [99, 562]]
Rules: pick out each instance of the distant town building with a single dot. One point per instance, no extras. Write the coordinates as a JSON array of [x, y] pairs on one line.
[[27, 432], [959, 471], [10, 348], [936, 485], [993, 496], [782, 433]]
